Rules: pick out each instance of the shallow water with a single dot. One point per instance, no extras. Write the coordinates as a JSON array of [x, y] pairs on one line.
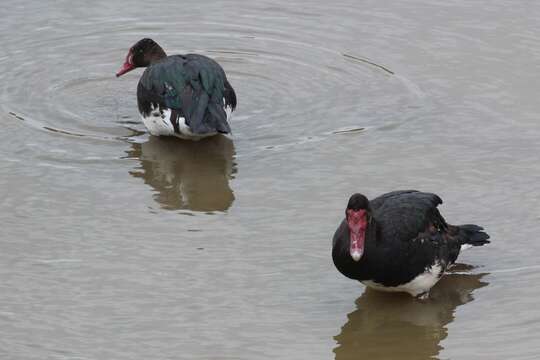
[[118, 245]]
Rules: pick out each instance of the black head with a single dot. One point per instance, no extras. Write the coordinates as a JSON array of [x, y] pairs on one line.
[[358, 202], [142, 54]]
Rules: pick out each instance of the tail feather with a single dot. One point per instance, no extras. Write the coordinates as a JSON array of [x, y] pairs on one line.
[[473, 235], [211, 119]]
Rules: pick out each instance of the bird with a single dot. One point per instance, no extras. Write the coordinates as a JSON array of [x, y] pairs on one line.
[[400, 242], [187, 96]]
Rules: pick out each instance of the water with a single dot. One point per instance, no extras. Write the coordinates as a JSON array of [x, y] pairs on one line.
[[117, 245]]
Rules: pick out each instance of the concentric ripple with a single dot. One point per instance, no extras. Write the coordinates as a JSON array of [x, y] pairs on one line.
[[290, 86]]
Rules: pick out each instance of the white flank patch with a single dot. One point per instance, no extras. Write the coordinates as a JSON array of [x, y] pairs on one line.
[[159, 124], [228, 111], [465, 247], [420, 284]]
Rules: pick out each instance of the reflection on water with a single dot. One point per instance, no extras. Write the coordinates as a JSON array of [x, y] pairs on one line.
[[190, 175], [392, 326]]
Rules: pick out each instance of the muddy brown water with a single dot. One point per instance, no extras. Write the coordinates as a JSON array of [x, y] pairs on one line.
[[117, 245]]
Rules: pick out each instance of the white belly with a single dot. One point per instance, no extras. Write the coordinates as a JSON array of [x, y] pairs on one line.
[[420, 284], [159, 123]]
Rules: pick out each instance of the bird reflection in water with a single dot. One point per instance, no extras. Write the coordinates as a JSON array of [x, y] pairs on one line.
[[191, 175], [398, 326]]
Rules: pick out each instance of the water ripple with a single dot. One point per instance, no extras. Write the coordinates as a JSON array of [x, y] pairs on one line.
[[289, 89]]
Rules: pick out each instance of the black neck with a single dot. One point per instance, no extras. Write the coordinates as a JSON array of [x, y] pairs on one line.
[[157, 54]]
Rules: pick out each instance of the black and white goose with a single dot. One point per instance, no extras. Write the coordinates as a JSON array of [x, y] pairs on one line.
[[187, 96], [399, 241]]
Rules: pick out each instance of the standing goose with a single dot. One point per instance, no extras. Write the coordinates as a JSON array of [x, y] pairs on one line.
[[187, 96], [399, 241]]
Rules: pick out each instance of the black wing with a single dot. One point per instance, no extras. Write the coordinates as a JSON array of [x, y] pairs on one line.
[[378, 201], [193, 85], [403, 215]]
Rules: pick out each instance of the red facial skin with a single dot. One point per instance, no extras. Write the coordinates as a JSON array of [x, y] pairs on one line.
[[357, 221], [128, 65]]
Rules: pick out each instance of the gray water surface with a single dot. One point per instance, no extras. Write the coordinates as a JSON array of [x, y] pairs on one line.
[[118, 245]]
